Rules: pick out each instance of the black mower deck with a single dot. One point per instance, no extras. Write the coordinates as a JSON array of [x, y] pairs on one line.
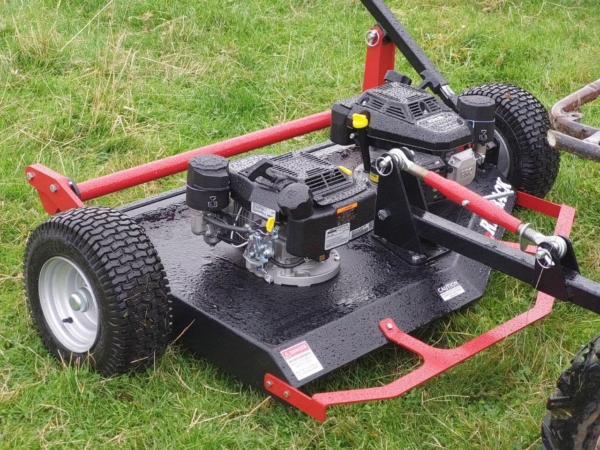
[[242, 324]]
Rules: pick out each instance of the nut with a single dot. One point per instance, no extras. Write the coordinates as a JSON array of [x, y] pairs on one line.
[[383, 214]]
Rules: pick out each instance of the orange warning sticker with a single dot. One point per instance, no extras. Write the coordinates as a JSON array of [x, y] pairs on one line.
[[347, 208]]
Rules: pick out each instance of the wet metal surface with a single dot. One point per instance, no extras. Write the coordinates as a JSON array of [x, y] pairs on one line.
[[241, 323]]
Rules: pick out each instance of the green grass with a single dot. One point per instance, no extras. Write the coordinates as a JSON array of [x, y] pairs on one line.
[[88, 87]]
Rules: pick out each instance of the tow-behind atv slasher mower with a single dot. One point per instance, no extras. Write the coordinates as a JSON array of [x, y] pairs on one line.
[[300, 263]]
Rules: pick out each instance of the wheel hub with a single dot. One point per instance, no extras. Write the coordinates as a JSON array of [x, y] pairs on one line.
[[78, 300], [69, 305]]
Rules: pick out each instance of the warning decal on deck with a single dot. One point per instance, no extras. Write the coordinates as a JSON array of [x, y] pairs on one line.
[[450, 290], [301, 360]]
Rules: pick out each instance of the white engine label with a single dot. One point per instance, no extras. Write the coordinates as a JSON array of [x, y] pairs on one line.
[[262, 211], [334, 237], [450, 290], [362, 230], [301, 360]]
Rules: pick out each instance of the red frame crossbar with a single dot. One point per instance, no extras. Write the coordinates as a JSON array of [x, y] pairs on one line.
[[435, 360], [58, 193]]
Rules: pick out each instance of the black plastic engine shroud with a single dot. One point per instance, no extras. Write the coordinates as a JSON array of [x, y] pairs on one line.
[[338, 200], [401, 115], [242, 324]]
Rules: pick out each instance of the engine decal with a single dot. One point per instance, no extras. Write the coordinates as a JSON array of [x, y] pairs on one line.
[[362, 230], [262, 211], [334, 237], [301, 360], [347, 208]]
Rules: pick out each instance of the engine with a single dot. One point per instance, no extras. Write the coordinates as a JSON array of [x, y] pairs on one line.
[[288, 213], [400, 116]]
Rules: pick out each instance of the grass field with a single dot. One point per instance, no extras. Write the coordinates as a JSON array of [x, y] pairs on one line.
[[88, 87]]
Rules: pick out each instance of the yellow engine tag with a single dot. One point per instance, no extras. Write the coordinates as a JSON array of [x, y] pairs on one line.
[[347, 208]]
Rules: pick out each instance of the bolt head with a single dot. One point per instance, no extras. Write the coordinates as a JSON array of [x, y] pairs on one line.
[[336, 257], [269, 384], [389, 326], [53, 188], [30, 176], [416, 258], [286, 394], [383, 214], [268, 278]]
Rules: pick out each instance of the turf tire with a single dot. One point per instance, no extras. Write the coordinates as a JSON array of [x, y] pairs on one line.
[[523, 122], [126, 277], [573, 418]]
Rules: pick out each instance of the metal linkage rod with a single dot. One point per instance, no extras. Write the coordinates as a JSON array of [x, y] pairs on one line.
[[473, 202]]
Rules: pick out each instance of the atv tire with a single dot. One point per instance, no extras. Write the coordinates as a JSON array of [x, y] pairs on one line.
[[97, 291], [524, 156], [573, 420]]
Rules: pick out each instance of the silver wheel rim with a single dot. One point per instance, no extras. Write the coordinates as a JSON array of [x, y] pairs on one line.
[[69, 304], [503, 154]]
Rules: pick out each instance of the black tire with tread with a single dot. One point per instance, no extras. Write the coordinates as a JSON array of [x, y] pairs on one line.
[[573, 420], [523, 122], [128, 280]]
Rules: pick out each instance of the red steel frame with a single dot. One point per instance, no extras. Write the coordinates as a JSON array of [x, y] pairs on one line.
[[58, 193], [435, 360]]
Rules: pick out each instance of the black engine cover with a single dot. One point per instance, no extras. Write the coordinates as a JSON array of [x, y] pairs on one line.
[[401, 116], [343, 208]]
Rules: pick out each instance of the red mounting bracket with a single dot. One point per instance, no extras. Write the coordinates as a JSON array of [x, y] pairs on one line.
[[381, 54], [53, 188]]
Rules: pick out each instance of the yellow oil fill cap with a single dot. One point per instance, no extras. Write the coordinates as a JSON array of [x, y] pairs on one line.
[[360, 121]]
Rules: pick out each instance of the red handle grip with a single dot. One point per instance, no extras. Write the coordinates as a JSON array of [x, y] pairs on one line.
[[477, 204]]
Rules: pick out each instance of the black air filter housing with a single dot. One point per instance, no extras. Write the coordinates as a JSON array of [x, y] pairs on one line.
[[401, 116], [207, 183]]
